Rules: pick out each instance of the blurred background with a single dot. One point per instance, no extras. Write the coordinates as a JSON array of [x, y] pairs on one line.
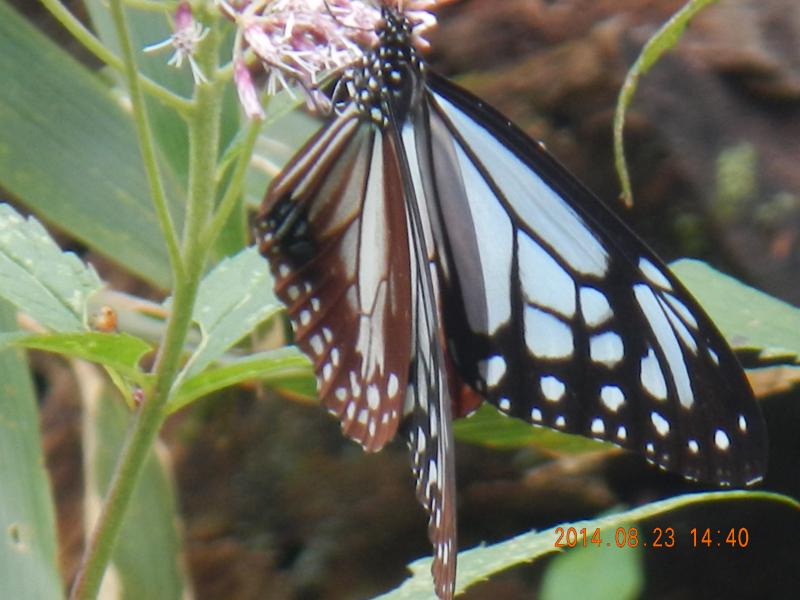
[[275, 503]]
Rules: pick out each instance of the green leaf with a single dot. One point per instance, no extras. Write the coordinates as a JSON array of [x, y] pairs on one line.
[[232, 301], [28, 565], [146, 28], [749, 319], [36, 276], [278, 141], [119, 351], [612, 575], [477, 564], [489, 427], [285, 369], [147, 553], [69, 153], [664, 39]]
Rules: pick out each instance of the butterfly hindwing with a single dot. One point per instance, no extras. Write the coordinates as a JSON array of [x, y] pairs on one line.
[[343, 273]]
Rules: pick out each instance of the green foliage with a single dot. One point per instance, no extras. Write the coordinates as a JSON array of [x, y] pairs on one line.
[[28, 567], [69, 152], [80, 168], [749, 319]]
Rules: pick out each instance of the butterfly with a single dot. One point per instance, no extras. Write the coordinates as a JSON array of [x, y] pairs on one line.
[[432, 256]]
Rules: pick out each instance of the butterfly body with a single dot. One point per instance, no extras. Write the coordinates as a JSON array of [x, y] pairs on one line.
[[433, 256]]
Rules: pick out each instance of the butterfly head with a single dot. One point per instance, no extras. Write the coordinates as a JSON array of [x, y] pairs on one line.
[[388, 81]]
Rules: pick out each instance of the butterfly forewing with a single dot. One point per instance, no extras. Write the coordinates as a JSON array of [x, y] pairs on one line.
[[561, 316], [342, 270]]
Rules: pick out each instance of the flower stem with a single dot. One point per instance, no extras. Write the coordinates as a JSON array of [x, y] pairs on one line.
[[96, 47], [232, 196]]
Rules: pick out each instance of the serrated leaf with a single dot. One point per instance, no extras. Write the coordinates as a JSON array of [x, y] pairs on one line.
[[119, 351], [28, 564], [285, 368], [477, 564], [489, 427], [233, 299], [38, 278], [749, 319]]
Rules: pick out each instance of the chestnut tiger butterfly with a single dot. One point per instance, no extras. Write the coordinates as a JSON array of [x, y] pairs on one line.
[[433, 256]]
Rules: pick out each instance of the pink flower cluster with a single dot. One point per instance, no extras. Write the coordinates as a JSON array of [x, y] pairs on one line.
[[298, 43]]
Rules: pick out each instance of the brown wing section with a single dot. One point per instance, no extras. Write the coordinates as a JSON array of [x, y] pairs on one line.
[[333, 228]]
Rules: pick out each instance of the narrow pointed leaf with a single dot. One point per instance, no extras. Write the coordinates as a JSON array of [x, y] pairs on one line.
[[28, 565]]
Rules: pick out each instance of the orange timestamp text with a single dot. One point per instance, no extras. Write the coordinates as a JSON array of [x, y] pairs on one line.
[[655, 537]]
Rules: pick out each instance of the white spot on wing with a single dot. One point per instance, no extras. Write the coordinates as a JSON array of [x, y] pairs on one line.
[[622, 433], [742, 424], [660, 423], [546, 336], [651, 376], [373, 397], [552, 388], [713, 356], [316, 344], [493, 370], [683, 311], [612, 397], [504, 404], [536, 415], [653, 274], [694, 447], [598, 427], [544, 282], [595, 308], [683, 332], [721, 440], [392, 386], [606, 349]]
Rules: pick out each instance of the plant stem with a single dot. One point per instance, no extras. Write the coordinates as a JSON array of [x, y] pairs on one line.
[[204, 132], [233, 195], [96, 47]]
